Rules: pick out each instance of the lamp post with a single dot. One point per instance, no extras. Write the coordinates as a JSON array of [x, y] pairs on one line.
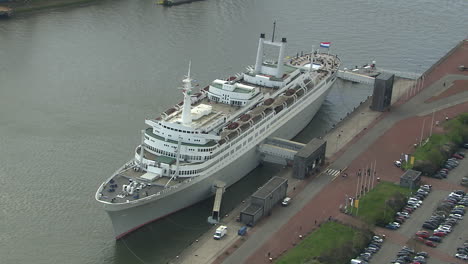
[[422, 130], [432, 122]]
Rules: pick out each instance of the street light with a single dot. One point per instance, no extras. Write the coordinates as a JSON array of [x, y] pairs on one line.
[[422, 130]]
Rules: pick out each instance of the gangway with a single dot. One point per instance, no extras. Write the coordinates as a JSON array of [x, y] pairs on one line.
[[219, 187], [367, 73], [278, 150]]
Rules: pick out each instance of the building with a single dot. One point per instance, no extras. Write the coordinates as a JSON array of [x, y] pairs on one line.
[[382, 95], [410, 179], [263, 200], [308, 160]]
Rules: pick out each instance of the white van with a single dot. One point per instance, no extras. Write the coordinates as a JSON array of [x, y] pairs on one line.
[[220, 232]]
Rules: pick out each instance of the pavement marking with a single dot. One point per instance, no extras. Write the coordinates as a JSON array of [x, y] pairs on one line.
[[332, 172]]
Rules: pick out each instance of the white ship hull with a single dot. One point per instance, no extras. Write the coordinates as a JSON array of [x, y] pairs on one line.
[[288, 123]]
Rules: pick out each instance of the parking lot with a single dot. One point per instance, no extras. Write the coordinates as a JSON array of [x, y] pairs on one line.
[[444, 252]]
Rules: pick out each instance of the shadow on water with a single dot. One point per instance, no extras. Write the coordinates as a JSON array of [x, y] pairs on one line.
[[161, 241]]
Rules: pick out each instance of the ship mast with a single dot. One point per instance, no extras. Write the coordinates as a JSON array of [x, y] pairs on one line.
[[187, 108]]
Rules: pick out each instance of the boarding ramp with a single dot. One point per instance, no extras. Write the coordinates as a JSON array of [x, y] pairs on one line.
[[367, 74], [355, 77], [219, 188], [279, 151]]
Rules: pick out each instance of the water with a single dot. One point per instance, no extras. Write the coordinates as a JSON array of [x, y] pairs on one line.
[[77, 83]]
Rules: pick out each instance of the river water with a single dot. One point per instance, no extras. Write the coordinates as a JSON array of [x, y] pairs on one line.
[[77, 83]]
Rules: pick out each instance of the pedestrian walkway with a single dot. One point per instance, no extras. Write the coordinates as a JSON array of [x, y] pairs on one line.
[[333, 172]]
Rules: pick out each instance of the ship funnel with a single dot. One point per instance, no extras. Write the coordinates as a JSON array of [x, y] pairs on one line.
[[259, 61], [280, 68]]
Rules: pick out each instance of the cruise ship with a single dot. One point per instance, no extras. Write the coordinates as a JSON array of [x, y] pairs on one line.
[[214, 133]]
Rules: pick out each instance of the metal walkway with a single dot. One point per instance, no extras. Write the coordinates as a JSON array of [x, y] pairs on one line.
[[355, 77], [219, 187], [367, 75]]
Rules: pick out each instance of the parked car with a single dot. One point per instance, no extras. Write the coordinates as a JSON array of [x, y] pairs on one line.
[[430, 243], [461, 256], [435, 239], [456, 216], [422, 253], [423, 234], [439, 234], [403, 214], [286, 201]]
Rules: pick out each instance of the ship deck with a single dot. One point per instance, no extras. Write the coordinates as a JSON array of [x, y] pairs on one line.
[[113, 191]]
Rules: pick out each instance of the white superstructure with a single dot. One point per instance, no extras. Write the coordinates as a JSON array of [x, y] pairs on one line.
[[213, 134]]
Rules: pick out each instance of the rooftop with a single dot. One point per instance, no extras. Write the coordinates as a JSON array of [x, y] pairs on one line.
[[252, 209], [312, 146], [411, 175], [269, 187]]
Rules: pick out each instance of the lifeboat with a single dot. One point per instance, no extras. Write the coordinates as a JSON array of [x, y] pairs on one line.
[[170, 111], [290, 92], [206, 88], [245, 118], [269, 101], [232, 78], [233, 125], [300, 92]]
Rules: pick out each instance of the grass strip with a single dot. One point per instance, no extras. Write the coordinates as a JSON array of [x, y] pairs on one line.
[[329, 236], [378, 207]]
